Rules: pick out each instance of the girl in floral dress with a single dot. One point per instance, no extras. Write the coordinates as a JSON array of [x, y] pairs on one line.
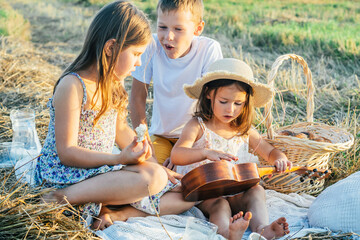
[[221, 131], [88, 115]]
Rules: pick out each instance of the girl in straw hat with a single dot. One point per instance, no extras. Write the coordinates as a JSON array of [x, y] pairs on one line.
[[221, 131]]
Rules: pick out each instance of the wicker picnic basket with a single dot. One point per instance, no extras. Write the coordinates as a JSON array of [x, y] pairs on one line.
[[306, 151]]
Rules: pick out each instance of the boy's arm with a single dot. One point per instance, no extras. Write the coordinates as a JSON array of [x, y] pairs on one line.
[[139, 91], [137, 103], [140, 85], [124, 134]]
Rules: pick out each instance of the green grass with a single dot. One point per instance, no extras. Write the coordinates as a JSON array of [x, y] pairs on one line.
[[327, 27], [279, 25], [12, 23], [3, 17]]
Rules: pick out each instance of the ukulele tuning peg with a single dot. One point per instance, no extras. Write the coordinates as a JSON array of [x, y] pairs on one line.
[[326, 172], [314, 170], [302, 179], [312, 182]]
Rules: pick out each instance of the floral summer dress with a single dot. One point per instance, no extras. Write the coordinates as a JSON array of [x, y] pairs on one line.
[[52, 173], [237, 146]]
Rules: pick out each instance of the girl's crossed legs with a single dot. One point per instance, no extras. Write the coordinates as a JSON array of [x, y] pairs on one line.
[[170, 203], [130, 184]]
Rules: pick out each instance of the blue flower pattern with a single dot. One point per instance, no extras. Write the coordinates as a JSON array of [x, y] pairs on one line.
[[101, 137]]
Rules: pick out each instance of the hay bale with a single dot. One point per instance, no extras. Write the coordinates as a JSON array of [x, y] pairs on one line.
[[24, 216]]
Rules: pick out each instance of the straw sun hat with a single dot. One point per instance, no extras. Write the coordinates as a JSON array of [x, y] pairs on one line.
[[234, 69]]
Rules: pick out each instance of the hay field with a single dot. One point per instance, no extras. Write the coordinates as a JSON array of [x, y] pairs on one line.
[[33, 57]]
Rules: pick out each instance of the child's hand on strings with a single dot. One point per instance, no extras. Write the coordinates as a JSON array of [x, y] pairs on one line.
[[215, 155], [133, 154], [279, 159], [282, 164]]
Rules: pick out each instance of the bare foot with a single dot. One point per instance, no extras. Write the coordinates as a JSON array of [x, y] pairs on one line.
[[276, 229], [238, 225], [104, 219], [107, 216], [56, 196]]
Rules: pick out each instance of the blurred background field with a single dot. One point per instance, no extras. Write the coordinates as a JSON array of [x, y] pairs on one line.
[[38, 39], [326, 27]]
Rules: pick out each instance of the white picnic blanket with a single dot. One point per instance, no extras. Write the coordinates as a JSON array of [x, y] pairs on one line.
[[149, 228], [292, 206]]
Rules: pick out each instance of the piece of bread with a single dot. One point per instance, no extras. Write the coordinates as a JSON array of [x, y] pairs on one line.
[[322, 139], [140, 132], [310, 135], [317, 138], [286, 133], [301, 135]]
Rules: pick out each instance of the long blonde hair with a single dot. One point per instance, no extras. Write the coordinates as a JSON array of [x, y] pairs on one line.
[[129, 26]]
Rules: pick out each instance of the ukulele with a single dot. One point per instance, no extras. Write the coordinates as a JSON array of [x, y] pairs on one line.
[[223, 178]]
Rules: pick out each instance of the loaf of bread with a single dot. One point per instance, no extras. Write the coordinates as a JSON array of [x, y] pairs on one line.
[[286, 133], [301, 135], [309, 135], [321, 139], [304, 135]]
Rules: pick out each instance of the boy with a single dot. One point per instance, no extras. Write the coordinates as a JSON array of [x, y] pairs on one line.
[[178, 56]]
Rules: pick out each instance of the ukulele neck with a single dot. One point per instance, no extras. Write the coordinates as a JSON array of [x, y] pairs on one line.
[[271, 170]]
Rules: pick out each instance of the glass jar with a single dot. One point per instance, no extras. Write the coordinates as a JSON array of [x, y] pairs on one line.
[[24, 130], [10, 153]]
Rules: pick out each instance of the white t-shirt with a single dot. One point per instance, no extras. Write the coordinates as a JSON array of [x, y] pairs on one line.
[[172, 108]]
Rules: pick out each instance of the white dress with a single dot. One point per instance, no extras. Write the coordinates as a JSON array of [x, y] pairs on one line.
[[237, 146]]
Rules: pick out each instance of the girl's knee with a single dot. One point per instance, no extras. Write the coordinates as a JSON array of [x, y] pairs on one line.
[[256, 192], [219, 204], [154, 176]]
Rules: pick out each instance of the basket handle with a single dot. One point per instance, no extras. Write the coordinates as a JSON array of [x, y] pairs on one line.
[[310, 90]]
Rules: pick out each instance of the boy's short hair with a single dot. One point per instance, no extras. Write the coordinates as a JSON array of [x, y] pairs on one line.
[[196, 7]]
